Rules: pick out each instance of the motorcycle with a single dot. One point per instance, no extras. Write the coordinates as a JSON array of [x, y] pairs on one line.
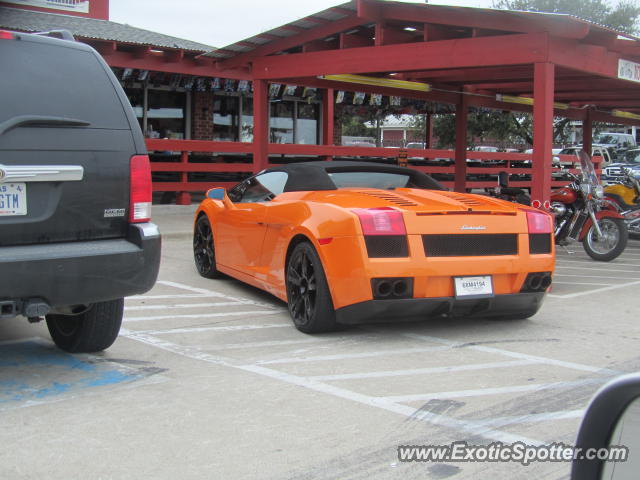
[[624, 198], [580, 215]]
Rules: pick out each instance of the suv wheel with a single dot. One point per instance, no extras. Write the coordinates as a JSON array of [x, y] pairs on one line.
[[91, 331]]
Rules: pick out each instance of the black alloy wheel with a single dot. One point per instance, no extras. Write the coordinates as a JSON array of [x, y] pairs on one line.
[[308, 295], [203, 250]]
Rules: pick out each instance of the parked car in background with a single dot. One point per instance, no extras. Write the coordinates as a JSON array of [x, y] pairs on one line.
[[615, 143], [614, 172], [75, 192], [596, 151]]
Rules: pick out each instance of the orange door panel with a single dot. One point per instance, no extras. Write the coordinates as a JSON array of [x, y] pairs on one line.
[[239, 234]]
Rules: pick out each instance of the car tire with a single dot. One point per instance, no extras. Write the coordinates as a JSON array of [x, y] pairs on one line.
[[91, 331], [204, 254], [308, 296], [615, 225]]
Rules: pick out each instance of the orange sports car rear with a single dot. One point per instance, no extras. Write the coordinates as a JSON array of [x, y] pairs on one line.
[[351, 242]]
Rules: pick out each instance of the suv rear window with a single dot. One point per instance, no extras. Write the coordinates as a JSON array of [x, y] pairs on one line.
[[51, 80]]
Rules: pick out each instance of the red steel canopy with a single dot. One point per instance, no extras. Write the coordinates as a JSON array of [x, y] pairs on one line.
[[548, 64]]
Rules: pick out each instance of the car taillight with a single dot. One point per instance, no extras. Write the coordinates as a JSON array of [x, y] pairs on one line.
[[140, 198], [539, 222], [4, 35], [381, 221]]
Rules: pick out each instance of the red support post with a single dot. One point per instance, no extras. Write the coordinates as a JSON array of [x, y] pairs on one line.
[[183, 198], [327, 118], [587, 131], [260, 125], [462, 111], [428, 133], [543, 90]]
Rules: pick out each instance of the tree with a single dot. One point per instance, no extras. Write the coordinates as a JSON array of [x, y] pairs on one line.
[[623, 16]]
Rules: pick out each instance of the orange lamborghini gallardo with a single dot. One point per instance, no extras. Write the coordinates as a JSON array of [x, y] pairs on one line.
[[352, 242]]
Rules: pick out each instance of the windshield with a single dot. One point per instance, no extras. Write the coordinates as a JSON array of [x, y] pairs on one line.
[[381, 180], [632, 156], [612, 139], [588, 170]]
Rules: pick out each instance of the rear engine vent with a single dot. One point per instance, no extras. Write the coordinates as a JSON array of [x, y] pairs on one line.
[[470, 245], [386, 246], [471, 202], [539, 243], [392, 198]]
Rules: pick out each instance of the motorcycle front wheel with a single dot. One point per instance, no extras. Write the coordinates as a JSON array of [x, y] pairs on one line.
[[611, 244]]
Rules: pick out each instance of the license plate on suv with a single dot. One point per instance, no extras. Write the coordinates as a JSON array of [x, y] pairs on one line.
[[473, 287], [13, 199]]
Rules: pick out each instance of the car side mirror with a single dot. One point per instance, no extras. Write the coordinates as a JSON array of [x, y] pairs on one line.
[[610, 429], [220, 193]]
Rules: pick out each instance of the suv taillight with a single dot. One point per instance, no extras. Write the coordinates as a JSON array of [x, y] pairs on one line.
[[5, 35], [381, 221], [539, 222], [140, 194]]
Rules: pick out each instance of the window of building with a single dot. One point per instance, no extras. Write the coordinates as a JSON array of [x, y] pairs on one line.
[[281, 122], [307, 123], [166, 114], [225, 118]]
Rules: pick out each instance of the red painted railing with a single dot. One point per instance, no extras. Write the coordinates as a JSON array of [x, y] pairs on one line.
[[236, 157]]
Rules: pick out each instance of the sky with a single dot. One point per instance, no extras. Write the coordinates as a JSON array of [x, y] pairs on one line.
[[222, 22]]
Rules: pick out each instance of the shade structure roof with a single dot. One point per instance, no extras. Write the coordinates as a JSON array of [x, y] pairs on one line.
[[91, 28], [484, 52]]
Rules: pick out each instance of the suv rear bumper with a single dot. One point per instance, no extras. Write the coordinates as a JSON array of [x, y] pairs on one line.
[[80, 273]]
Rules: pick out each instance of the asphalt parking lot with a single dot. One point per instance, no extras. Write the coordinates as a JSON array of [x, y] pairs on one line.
[[210, 380]]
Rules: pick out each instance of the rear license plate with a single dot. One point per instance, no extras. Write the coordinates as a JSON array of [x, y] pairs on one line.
[[13, 199], [473, 287]]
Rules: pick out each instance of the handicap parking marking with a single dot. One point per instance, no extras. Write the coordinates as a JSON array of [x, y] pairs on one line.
[[34, 372]]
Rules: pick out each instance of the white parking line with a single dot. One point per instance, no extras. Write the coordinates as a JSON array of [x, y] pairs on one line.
[[597, 290], [532, 418], [610, 270], [509, 353], [345, 356], [204, 291], [174, 347], [422, 371], [593, 276], [273, 343], [582, 283], [182, 305], [434, 418], [161, 297], [490, 391], [590, 262], [204, 315], [224, 328]]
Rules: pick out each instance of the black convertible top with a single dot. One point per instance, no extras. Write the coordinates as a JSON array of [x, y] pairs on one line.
[[312, 176]]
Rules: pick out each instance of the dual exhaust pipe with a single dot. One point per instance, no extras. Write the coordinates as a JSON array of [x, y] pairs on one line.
[[392, 288], [537, 282]]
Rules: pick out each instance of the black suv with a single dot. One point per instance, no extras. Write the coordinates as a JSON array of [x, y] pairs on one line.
[[75, 192]]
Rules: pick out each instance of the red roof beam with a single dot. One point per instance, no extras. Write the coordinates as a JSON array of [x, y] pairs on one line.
[[442, 97], [491, 20], [104, 47], [295, 40], [354, 40], [173, 56], [584, 58], [202, 66], [462, 53], [387, 34]]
